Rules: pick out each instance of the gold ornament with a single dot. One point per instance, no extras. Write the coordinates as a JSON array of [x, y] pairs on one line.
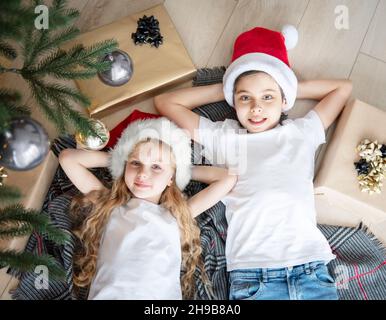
[[371, 167], [3, 175], [94, 142]]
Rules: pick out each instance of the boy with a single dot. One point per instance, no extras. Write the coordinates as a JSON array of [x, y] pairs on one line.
[[274, 249]]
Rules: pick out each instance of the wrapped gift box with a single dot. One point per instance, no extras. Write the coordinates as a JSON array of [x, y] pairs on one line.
[[338, 198], [33, 185], [153, 68]]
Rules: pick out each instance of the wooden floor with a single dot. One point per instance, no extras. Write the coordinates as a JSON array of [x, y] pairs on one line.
[[208, 29]]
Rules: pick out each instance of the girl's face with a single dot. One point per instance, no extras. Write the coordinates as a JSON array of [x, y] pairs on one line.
[[149, 170], [258, 102]]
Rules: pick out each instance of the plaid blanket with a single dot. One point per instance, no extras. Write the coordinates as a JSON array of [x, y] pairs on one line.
[[359, 270]]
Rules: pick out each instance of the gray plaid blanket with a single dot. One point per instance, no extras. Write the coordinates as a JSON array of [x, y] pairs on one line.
[[359, 270]]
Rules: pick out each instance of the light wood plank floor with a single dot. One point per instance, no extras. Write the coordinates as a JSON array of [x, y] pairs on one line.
[[208, 29]]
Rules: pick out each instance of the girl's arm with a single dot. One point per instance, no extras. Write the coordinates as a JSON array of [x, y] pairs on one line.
[[177, 105], [332, 94], [220, 183], [75, 162]]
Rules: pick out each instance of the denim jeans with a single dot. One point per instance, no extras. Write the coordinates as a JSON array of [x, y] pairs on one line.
[[310, 281]]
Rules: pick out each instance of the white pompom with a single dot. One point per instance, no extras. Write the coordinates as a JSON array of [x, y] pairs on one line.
[[291, 36]]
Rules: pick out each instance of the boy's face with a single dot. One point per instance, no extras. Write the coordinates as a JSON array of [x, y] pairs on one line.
[[258, 102]]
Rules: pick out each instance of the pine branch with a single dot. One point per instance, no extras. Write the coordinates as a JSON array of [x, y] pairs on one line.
[[12, 232], [7, 51], [27, 262], [9, 95], [28, 42], [9, 194], [10, 107], [78, 62], [60, 62], [46, 44], [42, 101], [60, 16], [37, 221], [53, 91], [81, 123], [9, 111], [13, 18]]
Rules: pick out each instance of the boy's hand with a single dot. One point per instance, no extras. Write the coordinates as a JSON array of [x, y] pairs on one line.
[[177, 105], [220, 183], [333, 95]]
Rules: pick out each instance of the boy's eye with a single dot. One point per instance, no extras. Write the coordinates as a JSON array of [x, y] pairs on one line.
[[244, 98], [267, 97]]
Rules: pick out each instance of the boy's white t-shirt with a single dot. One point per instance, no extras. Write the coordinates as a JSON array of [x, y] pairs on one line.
[[271, 211], [139, 256]]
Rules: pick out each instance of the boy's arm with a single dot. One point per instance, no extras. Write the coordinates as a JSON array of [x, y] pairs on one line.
[[75, 162], [220, 183], [332, 94], [178, 105]]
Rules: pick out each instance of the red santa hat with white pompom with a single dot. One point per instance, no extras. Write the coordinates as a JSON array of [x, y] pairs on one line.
[[264, 50]]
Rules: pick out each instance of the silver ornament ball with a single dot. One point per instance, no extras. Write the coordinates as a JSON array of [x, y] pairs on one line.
[[23, 145], [121, 69]]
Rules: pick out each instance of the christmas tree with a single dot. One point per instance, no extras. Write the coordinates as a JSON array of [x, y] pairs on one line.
[[43, 63]]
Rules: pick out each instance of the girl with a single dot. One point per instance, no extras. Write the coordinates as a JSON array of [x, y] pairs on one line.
[[141, 232], [274, 249]]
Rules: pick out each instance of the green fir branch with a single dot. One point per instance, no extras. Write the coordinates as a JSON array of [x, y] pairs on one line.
[[43, 102], [9, 194], [14, 232], [27, 262], [9, 95], [58, 61], [38, 222], [81, 123], [7, 51], [13, 18]]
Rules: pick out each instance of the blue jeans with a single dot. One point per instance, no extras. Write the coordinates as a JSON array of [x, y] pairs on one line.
[[310, 281]]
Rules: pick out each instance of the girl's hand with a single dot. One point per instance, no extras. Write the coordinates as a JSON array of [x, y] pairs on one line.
[[75, 162], [332, 94], [220, 183]]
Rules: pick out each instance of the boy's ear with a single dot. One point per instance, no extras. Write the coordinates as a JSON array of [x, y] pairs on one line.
[[284, 104]]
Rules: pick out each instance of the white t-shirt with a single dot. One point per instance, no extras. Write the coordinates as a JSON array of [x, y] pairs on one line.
[[140, 255], [271, 211]]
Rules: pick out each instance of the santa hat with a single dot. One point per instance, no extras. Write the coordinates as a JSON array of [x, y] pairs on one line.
[[163, 130], [265, 50]]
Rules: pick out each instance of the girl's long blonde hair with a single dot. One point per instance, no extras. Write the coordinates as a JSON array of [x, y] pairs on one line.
[[95, 208]]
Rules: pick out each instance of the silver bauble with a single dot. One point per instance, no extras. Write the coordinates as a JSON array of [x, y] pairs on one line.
[[24, 145], [121, 69]]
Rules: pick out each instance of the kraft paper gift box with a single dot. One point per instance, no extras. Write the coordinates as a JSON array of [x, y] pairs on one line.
[[153, 68], [338, 198], [33, 185]]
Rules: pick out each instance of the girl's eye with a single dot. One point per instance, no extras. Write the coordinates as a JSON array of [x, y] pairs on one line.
[[156, 167], [267, 97], [135, 163]]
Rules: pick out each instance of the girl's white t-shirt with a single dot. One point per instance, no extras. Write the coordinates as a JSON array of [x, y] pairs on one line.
[[271, 211], [139, 256]]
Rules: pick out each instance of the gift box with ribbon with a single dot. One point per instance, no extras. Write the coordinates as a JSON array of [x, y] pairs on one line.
[[349, 187], [156, 61]]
